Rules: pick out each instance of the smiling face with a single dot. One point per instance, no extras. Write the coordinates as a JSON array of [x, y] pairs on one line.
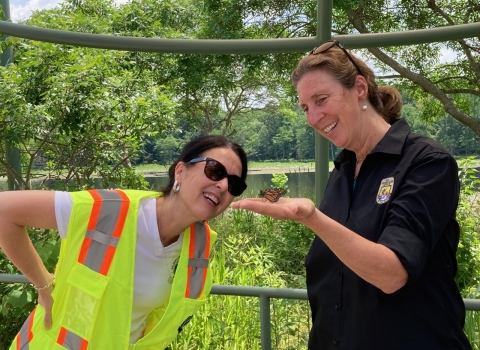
[[206, 198], [330, 109]]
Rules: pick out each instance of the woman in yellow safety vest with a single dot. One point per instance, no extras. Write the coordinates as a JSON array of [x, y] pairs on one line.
[[133, 265]]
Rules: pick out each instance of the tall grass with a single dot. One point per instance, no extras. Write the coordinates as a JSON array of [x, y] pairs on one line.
[[468, 254], [241, 258]]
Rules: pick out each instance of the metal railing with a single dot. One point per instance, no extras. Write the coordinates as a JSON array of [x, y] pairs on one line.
[[263, 293]]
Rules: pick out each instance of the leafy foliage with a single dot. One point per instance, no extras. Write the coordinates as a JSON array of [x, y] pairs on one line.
[[88, 111], [19, 299], [468, 216]]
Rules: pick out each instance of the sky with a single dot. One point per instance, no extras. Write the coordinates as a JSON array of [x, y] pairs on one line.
[[22, 9]]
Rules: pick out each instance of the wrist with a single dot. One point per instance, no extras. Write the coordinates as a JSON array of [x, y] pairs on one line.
[[311, 219], [46, 286]]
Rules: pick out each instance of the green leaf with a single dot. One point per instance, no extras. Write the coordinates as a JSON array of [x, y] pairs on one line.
[[18, 298]]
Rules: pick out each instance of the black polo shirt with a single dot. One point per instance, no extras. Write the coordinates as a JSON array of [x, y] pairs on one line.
[[405, 198]]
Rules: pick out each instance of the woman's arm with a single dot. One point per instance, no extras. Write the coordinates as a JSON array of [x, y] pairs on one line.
[[373, 262], [18, 210]]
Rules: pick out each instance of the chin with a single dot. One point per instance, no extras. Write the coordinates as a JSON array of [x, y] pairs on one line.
[[338, 143]]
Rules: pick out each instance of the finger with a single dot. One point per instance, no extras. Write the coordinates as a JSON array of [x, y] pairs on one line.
[[262, 207], [241, 203], [47, 320]]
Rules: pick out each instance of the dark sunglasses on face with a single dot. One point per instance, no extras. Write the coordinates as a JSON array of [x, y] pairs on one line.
[[327, 45], [215, 171]]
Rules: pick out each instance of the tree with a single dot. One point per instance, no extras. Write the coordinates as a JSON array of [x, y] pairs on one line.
[[419, 68], [414, 69], [85, 111]]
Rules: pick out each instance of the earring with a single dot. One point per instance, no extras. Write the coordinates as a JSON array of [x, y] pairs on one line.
[[364, 107], [176, 186]]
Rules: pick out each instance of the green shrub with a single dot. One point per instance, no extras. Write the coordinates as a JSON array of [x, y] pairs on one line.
[[19, 299], [468, 253]]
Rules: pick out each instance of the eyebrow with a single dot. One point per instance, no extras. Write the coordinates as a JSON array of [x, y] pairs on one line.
[[313, 97]]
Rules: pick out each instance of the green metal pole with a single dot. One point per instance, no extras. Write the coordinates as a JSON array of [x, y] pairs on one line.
[[238, 46], [13, 160], [265, 329], [324, 33], [12, 152]]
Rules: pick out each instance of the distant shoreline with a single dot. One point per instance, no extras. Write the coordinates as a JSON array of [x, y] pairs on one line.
[[251, 171]]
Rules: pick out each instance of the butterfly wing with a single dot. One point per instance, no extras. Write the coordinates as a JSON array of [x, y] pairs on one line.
[[273, 194]]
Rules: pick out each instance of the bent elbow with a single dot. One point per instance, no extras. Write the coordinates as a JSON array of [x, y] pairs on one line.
[[395, 285]]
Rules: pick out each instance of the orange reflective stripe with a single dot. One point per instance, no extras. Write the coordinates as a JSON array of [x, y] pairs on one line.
[[191, 253], [61, 336], [123, 214], [107, 261], [97, 205], [105, 226], [24, 337], [198, 259], [117, 232], [207, 256], [191, 248], [70, 340], [30, 325], [84, 250]]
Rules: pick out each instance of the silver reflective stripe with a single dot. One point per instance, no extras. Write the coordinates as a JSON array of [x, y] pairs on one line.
[[72, 341], [23, 334], [102, 238], [198, 262], [107, 221]]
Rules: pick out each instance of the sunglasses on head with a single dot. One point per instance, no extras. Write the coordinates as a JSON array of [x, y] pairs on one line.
[[327, 45], [215, 171]]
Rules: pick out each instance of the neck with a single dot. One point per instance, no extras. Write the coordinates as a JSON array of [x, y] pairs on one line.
[[375, 132], [170, 225]]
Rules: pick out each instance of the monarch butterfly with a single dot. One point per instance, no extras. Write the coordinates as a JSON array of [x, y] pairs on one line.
[[273, 194]]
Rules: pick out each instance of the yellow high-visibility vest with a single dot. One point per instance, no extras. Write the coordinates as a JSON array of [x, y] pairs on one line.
[[95, 280]]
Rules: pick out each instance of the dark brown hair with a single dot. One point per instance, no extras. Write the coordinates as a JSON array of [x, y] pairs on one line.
[[197, 147], [386, 100]]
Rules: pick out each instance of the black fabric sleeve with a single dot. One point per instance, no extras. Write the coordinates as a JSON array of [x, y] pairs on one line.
[[421, 210]]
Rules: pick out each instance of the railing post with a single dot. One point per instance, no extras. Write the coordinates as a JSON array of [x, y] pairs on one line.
[[12, 152], [266, 339], [324, 33]]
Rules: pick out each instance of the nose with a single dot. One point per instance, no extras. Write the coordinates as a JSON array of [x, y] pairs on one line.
[[222, 184], [313, 116]]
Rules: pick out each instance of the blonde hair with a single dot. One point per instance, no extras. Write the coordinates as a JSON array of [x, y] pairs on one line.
[[386, 100]]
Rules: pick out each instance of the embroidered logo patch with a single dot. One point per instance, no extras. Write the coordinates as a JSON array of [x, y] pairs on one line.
[[385, 190]]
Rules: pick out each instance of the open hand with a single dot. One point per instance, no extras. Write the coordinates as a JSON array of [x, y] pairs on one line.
[[46, 301], [297, 209]]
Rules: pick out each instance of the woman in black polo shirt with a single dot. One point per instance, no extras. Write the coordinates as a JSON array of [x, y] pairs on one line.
[[380, 272]]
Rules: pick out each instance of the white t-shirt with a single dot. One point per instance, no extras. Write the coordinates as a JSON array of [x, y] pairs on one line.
[[153, 263]]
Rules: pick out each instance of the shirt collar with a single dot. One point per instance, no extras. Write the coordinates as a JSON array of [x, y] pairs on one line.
[[391, 143]]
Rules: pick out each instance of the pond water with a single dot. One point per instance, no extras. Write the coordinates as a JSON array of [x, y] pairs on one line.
[[300, 184]]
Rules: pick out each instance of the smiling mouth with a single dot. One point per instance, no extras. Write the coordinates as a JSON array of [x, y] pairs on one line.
[[330, 127], [213, 199]]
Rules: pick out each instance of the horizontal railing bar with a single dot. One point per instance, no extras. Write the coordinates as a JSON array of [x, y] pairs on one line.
[[472, 304], [236, 46], [13, 278], [279, 293], [221, 289]]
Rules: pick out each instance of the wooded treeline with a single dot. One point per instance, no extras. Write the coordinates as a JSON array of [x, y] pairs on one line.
[[75, 111]]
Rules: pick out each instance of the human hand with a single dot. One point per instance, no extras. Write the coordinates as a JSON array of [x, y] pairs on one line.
[[297, 209], [46, 301]]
